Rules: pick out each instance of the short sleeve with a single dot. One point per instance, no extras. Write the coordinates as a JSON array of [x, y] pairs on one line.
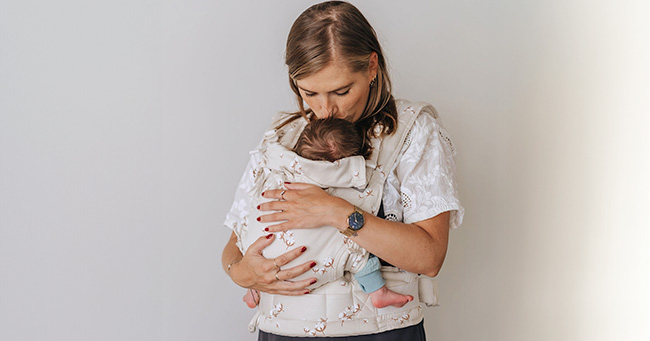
[[425, 174], [236, 217]]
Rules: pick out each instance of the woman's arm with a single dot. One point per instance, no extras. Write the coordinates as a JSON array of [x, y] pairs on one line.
[[419, 247], [253, 271]]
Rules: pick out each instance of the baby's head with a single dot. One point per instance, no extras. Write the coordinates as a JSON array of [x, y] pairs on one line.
[[329, 139]]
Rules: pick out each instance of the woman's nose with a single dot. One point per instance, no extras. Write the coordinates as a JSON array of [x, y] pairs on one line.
[[328, 108]]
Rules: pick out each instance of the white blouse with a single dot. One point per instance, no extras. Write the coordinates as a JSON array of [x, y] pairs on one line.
[[421, 185]]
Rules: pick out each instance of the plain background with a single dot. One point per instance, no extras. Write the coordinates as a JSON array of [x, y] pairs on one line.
[[125, 126]]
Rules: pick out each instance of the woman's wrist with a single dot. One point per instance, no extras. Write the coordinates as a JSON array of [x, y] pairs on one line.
[[341, 216], [235, 274], [229, 267]]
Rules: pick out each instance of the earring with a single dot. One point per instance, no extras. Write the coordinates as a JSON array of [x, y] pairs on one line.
[[372, 82]]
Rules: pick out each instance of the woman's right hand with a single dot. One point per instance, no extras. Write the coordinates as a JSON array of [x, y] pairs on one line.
[[254, 271]]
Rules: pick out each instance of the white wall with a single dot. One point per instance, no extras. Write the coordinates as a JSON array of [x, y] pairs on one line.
[[125, 125]]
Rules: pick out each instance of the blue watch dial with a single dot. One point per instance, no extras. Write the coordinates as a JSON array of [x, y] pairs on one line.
[[355, 220]]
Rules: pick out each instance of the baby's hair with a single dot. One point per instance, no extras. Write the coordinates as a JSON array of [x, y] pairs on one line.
[[329, 139]]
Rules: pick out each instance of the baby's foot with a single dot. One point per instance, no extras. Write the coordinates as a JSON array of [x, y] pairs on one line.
[[384, 297], [252, 298]]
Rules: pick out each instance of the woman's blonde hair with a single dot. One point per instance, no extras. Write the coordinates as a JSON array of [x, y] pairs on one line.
[[338, 28]]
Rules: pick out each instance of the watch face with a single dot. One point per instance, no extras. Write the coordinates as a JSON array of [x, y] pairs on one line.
[[355, 220]]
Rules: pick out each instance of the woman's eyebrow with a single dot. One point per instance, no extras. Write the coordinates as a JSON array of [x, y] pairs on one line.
[[335, 90]]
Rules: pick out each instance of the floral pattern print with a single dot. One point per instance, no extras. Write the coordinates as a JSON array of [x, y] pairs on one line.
[[402, 319], [349, 313], [275, 312], [356, 259], [327, 263], [318, 328], [287, 238], [296, 167], [366, 193]]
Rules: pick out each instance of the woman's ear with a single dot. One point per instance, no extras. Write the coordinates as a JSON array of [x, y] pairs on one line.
[[373, 65]]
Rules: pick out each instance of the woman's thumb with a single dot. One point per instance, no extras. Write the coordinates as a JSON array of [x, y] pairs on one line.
[[261, 243]]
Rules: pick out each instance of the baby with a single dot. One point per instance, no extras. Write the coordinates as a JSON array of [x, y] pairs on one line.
[[332, 139]]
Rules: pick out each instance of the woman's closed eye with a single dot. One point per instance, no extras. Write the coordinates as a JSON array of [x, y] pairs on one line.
[[312, 94], [343, 93]]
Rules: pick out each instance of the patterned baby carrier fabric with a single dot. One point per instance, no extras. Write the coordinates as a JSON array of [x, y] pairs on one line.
[[336, 306], [333, 252]]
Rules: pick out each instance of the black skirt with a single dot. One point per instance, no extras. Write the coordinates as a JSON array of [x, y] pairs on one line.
[[412, 333]]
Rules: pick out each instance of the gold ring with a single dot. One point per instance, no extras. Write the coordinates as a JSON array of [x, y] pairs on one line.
[[282, 194], [276, 276], [276, 264]]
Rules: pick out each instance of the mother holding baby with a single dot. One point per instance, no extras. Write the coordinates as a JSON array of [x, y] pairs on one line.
[[337, 68]]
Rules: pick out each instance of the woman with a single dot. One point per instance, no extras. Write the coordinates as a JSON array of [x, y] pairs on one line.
[[337, 68]]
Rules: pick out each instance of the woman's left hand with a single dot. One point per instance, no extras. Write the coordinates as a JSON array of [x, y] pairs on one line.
[[303, 206]]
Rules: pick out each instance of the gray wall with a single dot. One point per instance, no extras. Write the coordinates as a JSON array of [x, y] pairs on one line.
[[125, 125]]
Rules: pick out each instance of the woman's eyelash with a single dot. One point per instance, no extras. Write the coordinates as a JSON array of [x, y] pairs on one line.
[[337, 93]]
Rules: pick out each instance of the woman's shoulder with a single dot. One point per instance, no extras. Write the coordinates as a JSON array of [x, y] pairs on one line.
[[417, 115], [426, 128], [405, 107]]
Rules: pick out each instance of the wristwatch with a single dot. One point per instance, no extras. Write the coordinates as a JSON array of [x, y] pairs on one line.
[[355, 222]]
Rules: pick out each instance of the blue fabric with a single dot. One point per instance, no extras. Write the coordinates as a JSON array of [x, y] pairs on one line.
[[370, 276]]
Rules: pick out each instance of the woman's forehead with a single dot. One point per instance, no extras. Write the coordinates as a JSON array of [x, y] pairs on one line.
[[334, 76]]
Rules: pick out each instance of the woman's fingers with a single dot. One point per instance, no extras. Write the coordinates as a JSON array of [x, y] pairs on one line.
[[288, 274], [287, 257], [303, 291], [261, 243], [280, 281], [289, 192], [291, 288], [280, 194], [305, 206], [279, 228], [254, 271], [275, 205], [277, 216]]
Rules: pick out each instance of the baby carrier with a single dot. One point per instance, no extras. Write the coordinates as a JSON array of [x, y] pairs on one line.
[[336, 306]]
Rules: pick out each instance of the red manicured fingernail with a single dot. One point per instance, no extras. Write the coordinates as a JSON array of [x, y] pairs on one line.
[[266, 229], [287, 182], [269, 236], [312, 282], [307, 292], [263, 193], [258, 207], [303, 249], [258, 218], [313, 264]]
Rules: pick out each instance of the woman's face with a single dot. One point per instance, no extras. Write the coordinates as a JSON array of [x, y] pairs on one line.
[[336, 90]]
